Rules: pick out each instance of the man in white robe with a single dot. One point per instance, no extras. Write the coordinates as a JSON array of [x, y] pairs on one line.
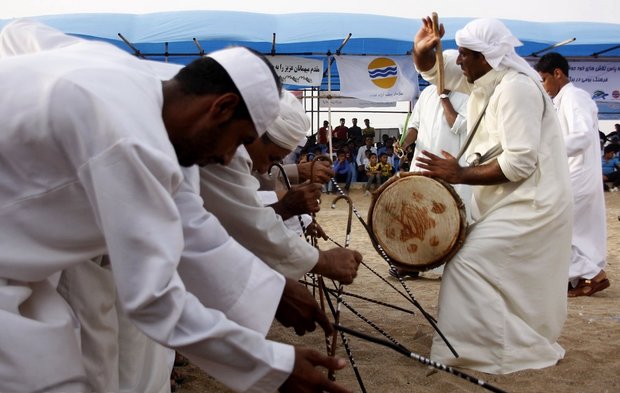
[[91, 143], [502, 302], [578, 116], [230, 192]]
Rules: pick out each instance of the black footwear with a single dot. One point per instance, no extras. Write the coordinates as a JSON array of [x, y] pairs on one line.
[[396, 274]]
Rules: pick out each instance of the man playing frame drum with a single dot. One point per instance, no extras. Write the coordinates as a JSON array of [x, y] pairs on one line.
[[502, 301]]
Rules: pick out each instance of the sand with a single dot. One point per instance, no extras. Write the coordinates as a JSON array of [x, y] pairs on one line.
[[591, 335]]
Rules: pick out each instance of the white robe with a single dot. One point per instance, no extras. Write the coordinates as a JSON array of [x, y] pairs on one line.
[[435, 134], [104, 168], [578, 116], [230, 192], [502, 302], [293, 223]]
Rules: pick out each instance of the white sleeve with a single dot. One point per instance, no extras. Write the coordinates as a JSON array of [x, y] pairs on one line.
[[230, 193], [361, 153], [459, 103], [519, 127], [211, 258], [270, 197], [578, 120], [130, 189]]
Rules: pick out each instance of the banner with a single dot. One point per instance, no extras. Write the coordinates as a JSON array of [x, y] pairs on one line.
[[378, 78], [602, 80], [339, 101], [298, 71], [599, 78]]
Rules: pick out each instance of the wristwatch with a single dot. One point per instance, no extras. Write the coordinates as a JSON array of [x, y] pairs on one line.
[[443, 96]]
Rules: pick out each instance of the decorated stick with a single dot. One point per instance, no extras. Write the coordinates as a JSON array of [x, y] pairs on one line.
[[399, 348], [438, 55], [383, 254]]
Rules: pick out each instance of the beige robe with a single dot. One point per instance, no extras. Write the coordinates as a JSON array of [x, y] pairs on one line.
[[502, 302]]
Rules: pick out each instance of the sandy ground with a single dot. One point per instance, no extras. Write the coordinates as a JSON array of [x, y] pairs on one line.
[[591, 335]]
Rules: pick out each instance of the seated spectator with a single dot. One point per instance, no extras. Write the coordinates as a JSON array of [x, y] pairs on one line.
[[342, 172], [392, 158], [373, 172], [611, 166], [387, 143], [406, 160], [351, 150], [386, 168], [362, 154], [614, 136]]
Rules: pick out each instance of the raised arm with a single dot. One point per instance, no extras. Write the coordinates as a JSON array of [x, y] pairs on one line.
[[424, 45]]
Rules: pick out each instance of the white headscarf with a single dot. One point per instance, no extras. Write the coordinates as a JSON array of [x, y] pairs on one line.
[[255, 82], [493, 39], [291, 125]]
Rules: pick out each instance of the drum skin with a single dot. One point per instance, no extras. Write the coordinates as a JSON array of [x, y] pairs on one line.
[[420, 222]]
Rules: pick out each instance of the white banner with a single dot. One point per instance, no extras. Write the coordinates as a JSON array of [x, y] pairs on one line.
[[602, 80], [338, 101], [599, 78], [378, 78], [298, 71]]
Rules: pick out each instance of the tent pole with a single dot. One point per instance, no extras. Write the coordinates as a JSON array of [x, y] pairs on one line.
[[605, 51], [568, 41], [129, 44], [201, 52], [318, 109], [329, 105]]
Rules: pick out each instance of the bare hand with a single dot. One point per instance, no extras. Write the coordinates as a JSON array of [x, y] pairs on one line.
[[306, 378], [339, 264], [299, 310], [446, 168], [322, 171], [300, 199], [426, 39]]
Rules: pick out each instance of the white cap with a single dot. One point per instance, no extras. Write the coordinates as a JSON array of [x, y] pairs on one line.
[[255, 82], [291, 125]]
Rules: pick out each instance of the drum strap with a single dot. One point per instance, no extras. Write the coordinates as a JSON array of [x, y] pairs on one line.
[[497, 149], [470, 136]]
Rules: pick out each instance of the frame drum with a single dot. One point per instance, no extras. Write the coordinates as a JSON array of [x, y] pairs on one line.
[[420, 222]]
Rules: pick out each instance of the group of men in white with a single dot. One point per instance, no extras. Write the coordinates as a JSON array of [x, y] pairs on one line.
[[115, 246]]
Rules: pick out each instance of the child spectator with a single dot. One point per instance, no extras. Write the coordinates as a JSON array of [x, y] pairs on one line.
[[373, 172], [385, 167]]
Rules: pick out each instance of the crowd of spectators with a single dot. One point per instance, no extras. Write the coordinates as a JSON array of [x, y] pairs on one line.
[[610, 160], [356, 156]]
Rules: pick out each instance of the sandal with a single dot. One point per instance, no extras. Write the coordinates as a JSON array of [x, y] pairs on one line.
[[590, 287]]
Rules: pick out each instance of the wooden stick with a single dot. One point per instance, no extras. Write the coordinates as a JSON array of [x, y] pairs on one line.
[[438, 55]]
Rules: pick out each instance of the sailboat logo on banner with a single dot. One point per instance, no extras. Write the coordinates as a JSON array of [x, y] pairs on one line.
[[383, 72]]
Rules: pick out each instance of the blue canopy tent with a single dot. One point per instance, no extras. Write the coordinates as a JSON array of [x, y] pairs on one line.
[[182, 36]]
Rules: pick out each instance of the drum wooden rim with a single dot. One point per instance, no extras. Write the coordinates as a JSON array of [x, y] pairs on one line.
[[429, 249]]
